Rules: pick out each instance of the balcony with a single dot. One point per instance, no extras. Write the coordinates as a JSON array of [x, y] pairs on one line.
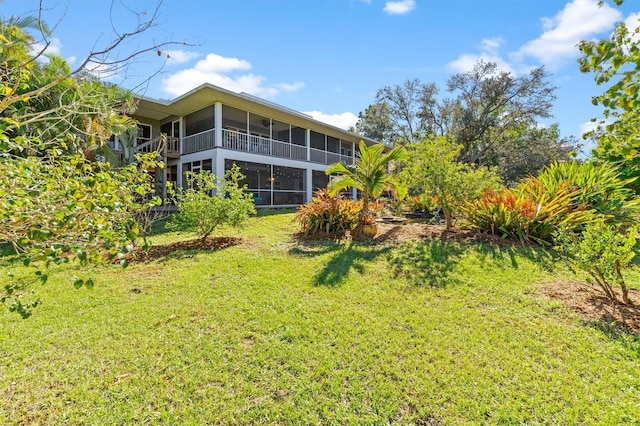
[[239, 141]]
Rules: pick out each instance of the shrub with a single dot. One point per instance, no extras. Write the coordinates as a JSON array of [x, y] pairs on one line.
[[602, 252], [526, 216], [599, 186], [201, 211], [328, 214], [421, 204]]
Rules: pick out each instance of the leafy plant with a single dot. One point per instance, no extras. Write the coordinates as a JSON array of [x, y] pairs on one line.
[[432, 167], [204, 206], [62, 208], [421, 203], [599, 187], [327, 214], [603, 253], [369, 174], [517, 214]]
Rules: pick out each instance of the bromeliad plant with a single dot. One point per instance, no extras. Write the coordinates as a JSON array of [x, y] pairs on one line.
[[327, 214], [523, 215]]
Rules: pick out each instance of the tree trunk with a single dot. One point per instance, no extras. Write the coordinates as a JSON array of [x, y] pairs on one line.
[[448, 221]]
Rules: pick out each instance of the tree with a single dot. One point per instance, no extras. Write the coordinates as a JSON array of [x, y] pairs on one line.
[[369, 174], [527, 150], [491, 102], [398, 113], [433, 169], [57, 205], [487, 105], [603, 252], [614, 62], [375, 123], [201, 212]]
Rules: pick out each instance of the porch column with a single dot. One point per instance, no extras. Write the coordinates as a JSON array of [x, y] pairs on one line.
[[308, 181], [307, 143], [217, 114], [217, 162], [179, 172]]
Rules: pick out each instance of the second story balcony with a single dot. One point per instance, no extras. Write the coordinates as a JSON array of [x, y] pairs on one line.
[[241, 141]]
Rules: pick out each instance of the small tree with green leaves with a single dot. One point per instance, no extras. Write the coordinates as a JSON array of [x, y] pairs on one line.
[[204, 206], [432, 167], [603, 253]]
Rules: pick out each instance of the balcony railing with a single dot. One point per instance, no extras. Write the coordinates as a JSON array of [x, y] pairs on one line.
[[264, 146], [168, 146], [324, 157], [198, 142], [240, 141]]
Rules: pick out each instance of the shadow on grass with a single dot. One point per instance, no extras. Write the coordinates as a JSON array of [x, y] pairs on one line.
[[427, 262], [347, 255], [539, 255], [262, 212], [614, 332]]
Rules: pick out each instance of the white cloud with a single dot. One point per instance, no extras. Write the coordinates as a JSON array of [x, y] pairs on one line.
[[226, 73], [343, 120], [579, 20], [488, 53], [633, 22], [401, 7], [180, 56], [54, 47]]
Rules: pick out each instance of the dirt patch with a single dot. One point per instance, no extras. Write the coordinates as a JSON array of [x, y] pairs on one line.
[[160, 251], [389, 232], [594, 307]]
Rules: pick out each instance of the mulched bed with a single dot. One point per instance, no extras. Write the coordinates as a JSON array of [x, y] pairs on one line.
[[594, 307], [159, 251]]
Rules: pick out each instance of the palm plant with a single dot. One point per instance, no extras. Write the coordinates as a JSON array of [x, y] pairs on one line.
[[369, 174]]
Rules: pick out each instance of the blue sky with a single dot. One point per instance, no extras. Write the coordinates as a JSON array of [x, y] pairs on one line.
[[329, 57]]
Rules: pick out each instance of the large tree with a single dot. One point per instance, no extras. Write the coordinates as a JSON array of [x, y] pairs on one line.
[[485, 107], [528, 149], [57, 205], [615, 62]]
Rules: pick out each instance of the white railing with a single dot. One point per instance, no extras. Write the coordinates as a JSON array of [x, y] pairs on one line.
[[324, 157], [198, 142], [261, 145], [161, 144]]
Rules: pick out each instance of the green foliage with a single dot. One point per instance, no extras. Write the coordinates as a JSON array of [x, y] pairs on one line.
[[564, 195], [520, 215], [600, 187], [603, 252], [614, 63], [204, 206], [369, 174], [432, 167], [60, 208], [327, 214], [420, 204]]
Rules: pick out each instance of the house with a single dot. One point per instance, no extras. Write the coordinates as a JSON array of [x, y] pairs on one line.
[[283, 153]]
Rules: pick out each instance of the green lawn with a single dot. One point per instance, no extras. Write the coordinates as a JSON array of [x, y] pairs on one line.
[[274, 331]]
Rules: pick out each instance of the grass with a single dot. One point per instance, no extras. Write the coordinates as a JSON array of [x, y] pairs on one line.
[[274, 331]]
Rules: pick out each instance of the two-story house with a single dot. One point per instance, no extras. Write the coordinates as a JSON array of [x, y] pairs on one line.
[[283, 153]]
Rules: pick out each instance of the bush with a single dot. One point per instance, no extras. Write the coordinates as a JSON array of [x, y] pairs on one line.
[[327, 214], [602, 252], [203, 206], [421, 204], [599, 186], [526, 216]]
